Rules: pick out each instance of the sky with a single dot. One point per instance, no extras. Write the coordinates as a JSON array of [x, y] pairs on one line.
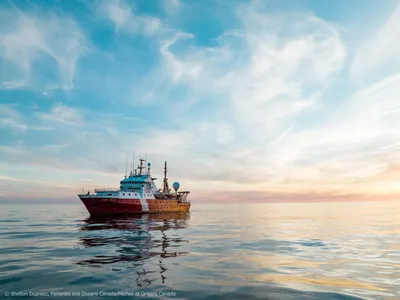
[[294, 100]]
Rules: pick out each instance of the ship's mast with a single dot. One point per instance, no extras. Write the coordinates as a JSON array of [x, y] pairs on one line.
[[141, 166], [165, 187]]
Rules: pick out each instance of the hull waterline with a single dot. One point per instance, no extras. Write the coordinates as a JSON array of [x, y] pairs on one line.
[[104, 206]]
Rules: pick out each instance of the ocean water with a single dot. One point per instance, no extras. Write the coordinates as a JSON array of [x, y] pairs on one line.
[[229, 251]]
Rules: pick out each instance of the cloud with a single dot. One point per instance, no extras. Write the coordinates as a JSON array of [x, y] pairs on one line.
[[18, 122], [11, 118], [7, 178], [39, 189], [31, 43], [123, 18], [265, 70], [172, 7], [187, 70], [175, 2], [378, 56], [261, 74], [358, 141], [60, 113], [11, 85], [22, 155], [250, 196]]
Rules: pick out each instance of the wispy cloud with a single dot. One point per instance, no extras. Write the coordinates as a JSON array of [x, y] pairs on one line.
[[12, 188], [11, 118], [60, 113], [172, 7], [8, 178], [262, 77], [28, 41], [267, 74], [378, 56], [11, 85], [175, 2], [181, 70], [120, 13]]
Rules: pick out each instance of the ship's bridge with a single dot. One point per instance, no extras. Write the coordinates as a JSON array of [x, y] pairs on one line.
[[135, 183]]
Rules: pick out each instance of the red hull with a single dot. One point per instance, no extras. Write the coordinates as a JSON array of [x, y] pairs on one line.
[[101, 206]]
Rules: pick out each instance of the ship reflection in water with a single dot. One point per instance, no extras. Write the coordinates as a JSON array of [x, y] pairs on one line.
[[141, 242]]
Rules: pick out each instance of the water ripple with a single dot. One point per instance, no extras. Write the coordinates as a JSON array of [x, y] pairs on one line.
[[278, 251]]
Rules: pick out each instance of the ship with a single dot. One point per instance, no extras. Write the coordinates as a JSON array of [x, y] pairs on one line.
[[137, 194]]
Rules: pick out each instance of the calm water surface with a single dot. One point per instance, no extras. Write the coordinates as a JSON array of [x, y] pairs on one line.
[[254, 251]]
